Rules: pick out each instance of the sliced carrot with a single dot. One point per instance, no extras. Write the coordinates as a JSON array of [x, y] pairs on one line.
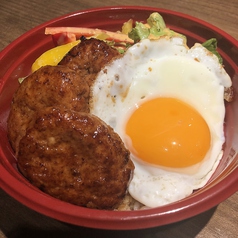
[[87, 32], [63, 38]]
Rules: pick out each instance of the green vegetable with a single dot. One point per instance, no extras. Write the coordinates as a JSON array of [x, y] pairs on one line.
[[211, 45], [20, 80], [156, 23], [139, 32], [154, 29]]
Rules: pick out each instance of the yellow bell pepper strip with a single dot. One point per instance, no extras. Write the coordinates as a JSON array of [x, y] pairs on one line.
[[53, 56], [127, 27]]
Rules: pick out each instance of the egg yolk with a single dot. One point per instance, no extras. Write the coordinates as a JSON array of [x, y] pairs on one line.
[[168, 132]]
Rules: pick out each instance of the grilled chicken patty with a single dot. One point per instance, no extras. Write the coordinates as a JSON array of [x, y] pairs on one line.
[[89, 57], [48, 86], [61, 148], [76, 157]]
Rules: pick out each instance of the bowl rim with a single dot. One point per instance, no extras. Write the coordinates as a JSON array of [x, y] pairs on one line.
[[117, 220]]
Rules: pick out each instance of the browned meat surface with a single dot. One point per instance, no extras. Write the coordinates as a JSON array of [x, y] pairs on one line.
[[75, 157], [88, 57], [48, 86], [61, 148]]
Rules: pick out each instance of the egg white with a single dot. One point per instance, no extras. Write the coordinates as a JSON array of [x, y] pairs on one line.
[[164, 68]]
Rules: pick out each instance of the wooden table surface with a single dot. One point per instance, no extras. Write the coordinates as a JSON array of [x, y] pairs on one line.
[[16, 220]]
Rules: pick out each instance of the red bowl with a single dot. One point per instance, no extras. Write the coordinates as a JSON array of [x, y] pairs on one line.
[[15, 62]]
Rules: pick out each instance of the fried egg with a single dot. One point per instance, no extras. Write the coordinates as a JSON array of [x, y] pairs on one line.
[[166, 102]]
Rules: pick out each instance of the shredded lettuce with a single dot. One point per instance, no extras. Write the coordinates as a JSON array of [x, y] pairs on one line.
[[211, 45], [20, 80]]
